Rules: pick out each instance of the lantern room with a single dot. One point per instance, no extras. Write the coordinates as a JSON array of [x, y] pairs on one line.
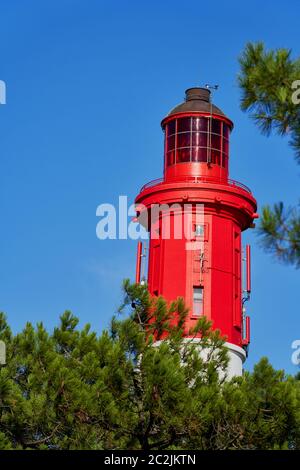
[[196, 138]]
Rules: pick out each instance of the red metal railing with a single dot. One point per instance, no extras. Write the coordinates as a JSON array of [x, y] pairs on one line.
[[198, 179]]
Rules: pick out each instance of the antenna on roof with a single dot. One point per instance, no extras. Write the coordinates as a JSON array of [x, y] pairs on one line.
[[211, 87]]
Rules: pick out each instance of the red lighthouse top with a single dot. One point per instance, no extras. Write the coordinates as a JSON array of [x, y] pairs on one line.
[[197, 138]]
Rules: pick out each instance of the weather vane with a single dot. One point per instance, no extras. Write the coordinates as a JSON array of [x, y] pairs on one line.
[[211, 87]]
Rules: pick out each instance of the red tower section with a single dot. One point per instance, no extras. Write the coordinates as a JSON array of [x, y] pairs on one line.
[[203, 263]]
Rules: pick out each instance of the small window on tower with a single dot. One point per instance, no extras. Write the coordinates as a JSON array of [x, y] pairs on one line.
[[199, 230], [198, 301]]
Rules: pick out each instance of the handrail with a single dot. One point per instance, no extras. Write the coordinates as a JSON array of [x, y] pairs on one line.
[[197, 179]]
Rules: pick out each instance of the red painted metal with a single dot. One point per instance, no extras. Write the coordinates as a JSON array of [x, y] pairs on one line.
[[207, 260], [246, 340], [200, 179], [138, 262], [248, 268], [180, 115]]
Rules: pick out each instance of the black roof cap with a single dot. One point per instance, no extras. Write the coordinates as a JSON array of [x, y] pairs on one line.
[[197, 100]]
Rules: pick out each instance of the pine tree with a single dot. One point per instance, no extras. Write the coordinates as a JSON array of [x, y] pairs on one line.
[[266, 81], [138, 385]]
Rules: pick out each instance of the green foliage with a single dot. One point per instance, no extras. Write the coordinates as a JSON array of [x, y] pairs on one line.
[[280, 231], [265, 80], [134, 388]]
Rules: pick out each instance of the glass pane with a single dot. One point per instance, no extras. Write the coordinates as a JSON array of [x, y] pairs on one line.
[[171, 142], [199, 230], [171, 158], [216, 157], [225, 146], [216, 126], [197, 309], [225, 131], [183, 155], [199, 154], [199, 124], [199, 139], [183, 124], [183, 140], [171, 127], [224, 161], [198, 301], [215, 141]]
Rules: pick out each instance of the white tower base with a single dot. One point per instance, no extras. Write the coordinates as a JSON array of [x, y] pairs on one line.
[[237, 357], [236, 354]]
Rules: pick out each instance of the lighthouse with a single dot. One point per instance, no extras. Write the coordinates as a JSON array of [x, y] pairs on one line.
[[195, 215]]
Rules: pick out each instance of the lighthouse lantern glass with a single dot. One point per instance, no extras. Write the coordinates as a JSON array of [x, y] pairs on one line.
[[197, 139]]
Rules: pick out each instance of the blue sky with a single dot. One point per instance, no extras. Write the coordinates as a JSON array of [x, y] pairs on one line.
[[88, 83]]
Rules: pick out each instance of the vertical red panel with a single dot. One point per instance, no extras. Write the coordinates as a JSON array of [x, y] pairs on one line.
[[138, 263], [246, 339], [248, 330], [248, 268], [156, 263]]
